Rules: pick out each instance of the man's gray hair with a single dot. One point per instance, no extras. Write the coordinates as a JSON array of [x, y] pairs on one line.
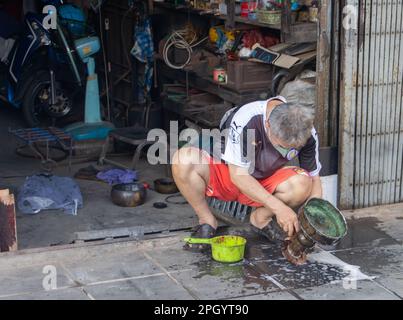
[[292, 123]]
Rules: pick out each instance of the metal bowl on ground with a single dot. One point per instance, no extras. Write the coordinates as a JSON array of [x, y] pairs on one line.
[[128, 194], [165, 186], [320, 222]]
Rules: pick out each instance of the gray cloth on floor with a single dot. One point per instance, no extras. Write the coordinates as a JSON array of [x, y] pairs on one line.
[[43, 192], [113, 176]]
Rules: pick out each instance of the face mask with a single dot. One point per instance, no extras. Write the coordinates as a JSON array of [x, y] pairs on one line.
[[289, 154], [282, 151]]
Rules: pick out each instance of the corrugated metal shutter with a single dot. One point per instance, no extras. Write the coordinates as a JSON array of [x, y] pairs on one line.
[[371, 109]]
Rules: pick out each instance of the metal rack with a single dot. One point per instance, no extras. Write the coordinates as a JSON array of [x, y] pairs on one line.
[[32, 137]]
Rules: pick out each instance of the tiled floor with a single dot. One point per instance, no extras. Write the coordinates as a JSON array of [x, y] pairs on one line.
[[161, 269]]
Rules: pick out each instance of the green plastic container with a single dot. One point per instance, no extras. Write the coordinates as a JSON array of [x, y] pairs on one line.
[[227, 249], [269, 16]]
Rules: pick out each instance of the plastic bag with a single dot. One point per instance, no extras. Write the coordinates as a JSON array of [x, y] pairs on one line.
[[6, 45], [113, 176], [44, 192], [302, 90]]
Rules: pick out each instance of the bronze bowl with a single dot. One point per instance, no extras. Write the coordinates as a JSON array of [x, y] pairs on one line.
[[320, 222], [165, 186], [128, 194]]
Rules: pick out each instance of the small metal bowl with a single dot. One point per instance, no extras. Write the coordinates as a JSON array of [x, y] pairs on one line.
[[128, 194], [165, 186]]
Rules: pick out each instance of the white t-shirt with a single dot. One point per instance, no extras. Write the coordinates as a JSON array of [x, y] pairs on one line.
[[237, 150]]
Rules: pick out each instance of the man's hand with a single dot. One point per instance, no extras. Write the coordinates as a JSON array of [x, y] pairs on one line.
[[287, 219]]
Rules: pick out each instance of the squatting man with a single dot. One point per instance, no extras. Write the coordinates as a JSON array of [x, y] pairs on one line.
[[282, 131]]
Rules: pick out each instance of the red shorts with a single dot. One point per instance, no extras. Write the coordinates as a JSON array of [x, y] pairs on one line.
[[221, 187]]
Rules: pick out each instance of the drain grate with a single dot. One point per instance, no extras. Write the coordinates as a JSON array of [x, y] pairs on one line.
[[229, 209]]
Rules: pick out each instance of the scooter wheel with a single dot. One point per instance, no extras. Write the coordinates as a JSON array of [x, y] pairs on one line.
[[35, 105]]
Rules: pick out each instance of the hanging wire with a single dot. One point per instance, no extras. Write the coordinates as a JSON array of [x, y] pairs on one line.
[[106, 65]]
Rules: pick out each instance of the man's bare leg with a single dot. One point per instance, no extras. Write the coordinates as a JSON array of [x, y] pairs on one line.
[[293, 192], [191, 176]]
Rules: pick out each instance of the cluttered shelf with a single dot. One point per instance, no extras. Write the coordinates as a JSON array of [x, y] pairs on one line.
[[207, 84], [237, 65], [198, 107], [254, 23], [302, 29], [216, 15], [242, 79]]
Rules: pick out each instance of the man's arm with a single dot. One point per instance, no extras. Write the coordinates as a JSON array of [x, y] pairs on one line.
[[317, 191], [249, 186], [309, 160]]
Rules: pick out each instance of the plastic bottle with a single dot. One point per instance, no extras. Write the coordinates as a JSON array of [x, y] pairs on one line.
[[252, 15], [244, 8]]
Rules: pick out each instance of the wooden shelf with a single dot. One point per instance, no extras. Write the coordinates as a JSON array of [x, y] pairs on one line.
[[297, 33], [256, 23], [209, 85], [222, 17], [205, 118]]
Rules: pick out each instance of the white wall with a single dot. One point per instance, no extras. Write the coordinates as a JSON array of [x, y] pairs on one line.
[[329, 185]]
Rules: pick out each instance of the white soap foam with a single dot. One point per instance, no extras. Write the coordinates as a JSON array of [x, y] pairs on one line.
[[321, 256]]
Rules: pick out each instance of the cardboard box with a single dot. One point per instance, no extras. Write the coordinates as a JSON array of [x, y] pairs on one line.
[[274, 56]]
